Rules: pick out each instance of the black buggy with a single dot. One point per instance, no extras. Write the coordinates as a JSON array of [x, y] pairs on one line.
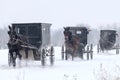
[[75, 43], [38, 40], [108, 41]]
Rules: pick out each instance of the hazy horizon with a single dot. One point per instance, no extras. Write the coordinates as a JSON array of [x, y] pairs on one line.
[[60, 12]]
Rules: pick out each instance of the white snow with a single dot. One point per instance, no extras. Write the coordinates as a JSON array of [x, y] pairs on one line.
[[105, 64]]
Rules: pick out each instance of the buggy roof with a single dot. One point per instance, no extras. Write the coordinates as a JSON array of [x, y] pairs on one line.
[[108, 30], [76, 27], [29, 23]]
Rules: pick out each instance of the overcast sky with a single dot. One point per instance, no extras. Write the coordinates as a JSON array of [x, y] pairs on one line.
[[60, 12]]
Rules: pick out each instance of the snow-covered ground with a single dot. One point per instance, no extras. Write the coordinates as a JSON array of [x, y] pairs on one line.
[[104, 66]]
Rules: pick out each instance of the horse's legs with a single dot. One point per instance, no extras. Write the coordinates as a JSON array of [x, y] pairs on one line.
[[81, 53], [80, 49], [13, 56], [73, 54], [18, 53], [26, 53], [11, 53]]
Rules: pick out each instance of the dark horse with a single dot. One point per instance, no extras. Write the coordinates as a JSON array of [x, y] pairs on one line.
[[72, 43], [14, 45]]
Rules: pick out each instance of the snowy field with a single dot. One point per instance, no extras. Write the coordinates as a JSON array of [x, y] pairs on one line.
[[104, 66]]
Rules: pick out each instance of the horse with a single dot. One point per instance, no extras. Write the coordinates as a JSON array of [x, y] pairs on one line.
[[73, 44], [14, 45]]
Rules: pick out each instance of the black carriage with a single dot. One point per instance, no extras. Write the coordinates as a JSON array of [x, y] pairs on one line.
[[108, 41], [38, 36], [81, 33]]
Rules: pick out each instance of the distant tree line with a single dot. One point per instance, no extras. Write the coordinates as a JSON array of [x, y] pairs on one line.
[[3, 38], [57, 37]]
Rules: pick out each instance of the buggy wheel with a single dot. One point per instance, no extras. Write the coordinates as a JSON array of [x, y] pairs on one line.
[[91, 52], [117, 49], [87, 52], [9, 59], [52, 55], [43, 58], [62, 53], [98, 48], [87, 56]]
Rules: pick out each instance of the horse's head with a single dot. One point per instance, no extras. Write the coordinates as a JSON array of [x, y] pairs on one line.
[[67, 33], [12, 33]]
